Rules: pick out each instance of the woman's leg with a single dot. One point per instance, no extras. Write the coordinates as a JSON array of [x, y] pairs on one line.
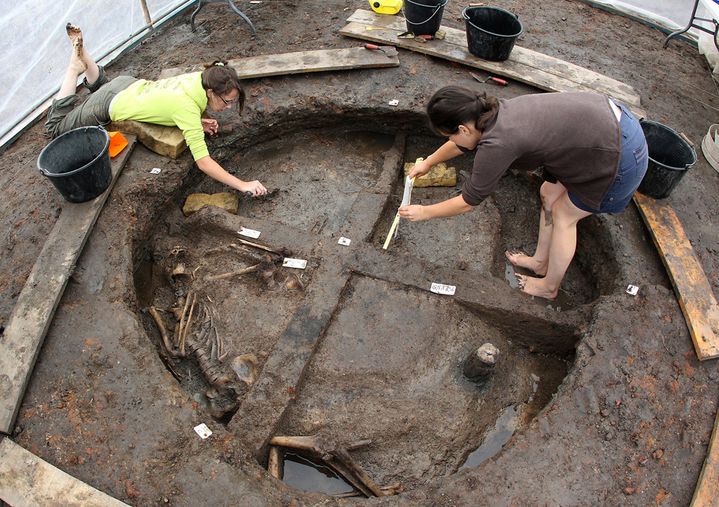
[[562, 246], [80, 61], [549, 193]]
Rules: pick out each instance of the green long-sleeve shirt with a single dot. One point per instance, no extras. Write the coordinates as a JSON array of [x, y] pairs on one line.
[[176, 101]]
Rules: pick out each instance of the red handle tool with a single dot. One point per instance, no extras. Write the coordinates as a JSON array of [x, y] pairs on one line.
[[495, 80]]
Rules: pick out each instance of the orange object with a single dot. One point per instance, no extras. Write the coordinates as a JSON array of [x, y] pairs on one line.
[[117, 144]]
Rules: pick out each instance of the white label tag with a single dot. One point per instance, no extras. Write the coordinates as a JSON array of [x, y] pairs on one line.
[[250, 233], [632, 290], [203, 431], [393, 102], [440, 288], [344, 241], [289, 262], [155, 170]]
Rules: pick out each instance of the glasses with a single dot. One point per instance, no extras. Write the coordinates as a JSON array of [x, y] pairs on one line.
[[228, 102]]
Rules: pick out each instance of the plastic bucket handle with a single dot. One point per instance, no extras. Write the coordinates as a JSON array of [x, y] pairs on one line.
[[436, 10], [466, 18]]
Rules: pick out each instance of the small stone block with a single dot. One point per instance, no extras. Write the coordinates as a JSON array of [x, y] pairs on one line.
[[224, 200], [439, 176], [165, 141]]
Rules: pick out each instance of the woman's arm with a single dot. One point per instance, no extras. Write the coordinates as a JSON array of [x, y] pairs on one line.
[[215, 171], [445, 152], [448, 208]]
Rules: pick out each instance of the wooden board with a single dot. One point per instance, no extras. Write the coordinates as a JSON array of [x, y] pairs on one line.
[[691, 286], [706, 493], [320, 60], [526, 66], [36, 304], [26, 480]]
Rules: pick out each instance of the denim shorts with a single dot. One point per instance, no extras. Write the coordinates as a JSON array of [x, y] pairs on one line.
[[632, 167]]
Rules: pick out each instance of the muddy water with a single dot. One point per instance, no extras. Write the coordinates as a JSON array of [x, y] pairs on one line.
[[307, 475]]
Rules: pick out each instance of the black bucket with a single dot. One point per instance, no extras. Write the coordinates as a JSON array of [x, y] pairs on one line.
[[491, 32], [669, 158], [77, 163], [423, 16]]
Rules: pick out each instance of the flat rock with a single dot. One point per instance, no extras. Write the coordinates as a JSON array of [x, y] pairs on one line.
[[165, 141], [225, 200], [438, 176]]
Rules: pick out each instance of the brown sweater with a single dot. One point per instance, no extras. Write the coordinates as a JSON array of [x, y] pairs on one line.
[[575, 136]]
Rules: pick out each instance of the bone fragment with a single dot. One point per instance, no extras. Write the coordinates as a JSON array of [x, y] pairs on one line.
[[276, 463], [230, 274], [161, 327]]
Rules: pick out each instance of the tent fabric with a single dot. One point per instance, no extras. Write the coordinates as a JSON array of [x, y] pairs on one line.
[[36, 48]]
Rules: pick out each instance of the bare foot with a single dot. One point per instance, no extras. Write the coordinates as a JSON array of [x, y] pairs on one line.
[[76, 60], [536, 287], [522, 260]]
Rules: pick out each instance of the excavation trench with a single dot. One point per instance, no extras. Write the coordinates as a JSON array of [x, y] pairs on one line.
[[354, 346]]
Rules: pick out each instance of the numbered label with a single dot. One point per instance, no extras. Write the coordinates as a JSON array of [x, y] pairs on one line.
[[289, 262], [250, 233], [344, 241], [632, 290], [440, 288], [203, 431], [155, 170]]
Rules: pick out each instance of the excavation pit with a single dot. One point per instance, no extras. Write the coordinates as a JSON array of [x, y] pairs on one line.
[[354, 346]]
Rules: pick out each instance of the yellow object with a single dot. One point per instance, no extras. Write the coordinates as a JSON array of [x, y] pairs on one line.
[[227, 201], [117, 144], [386, 6], [438, 176]]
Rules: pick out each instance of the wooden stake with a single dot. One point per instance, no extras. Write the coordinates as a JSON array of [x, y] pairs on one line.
[[276, 463]]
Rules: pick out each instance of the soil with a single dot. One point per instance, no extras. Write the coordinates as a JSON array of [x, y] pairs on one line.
[[598, 397]]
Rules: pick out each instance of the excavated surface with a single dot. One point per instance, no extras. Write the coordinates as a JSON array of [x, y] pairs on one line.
[[628, 425]]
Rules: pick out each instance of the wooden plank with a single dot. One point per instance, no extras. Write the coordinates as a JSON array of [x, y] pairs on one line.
[[26, 480], [691, 286], [301, 62], [706, 493], [523, 65], [36, 304]]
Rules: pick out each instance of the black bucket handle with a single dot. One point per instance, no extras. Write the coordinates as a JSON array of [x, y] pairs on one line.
[[437, 7], [466, 18], [51, 175], [684, 139]]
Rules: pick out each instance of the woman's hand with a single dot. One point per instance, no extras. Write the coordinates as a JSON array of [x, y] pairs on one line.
[[413, 212], [420, 169], [254, 187], [210, 126]]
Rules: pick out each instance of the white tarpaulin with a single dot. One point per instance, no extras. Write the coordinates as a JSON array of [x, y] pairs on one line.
[[36, 49]]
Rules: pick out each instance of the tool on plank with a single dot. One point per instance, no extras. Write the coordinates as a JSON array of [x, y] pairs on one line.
[[495, 80], [375, 47]]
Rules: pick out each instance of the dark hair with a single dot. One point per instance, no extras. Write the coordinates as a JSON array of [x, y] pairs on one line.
[[220, 78], [454, 105]]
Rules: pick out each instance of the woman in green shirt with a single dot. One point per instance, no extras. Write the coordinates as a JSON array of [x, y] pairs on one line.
[[178, 101]]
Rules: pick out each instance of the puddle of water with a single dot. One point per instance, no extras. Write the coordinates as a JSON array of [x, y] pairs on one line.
[[509, 275], [306, 475], [495, 438]]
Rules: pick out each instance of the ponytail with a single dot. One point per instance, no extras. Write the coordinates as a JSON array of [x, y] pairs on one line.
[[454, 105]]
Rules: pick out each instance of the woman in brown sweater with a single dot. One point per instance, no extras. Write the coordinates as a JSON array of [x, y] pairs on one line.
[[592, 149]]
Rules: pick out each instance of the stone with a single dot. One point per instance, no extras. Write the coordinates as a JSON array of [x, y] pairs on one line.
[[225, 200], [439, 176], [165, 141]]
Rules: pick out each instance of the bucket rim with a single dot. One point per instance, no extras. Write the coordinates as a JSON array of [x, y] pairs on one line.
[[487, 7], [48, 174], [442, 4], [691, 148]]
